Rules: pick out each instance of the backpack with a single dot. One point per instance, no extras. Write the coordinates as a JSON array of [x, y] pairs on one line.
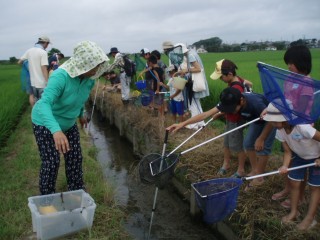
[[244, 87], [129, 66]]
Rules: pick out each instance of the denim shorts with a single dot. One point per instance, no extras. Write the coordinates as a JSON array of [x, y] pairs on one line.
[[253, 133], [234, 140], [299, 174]]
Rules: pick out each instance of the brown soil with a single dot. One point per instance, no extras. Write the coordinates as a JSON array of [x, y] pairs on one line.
[[256, 215]]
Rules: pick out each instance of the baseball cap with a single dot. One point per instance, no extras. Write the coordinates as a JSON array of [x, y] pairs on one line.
[[144, 51], [223, 66], [44, 39], [229, 100]]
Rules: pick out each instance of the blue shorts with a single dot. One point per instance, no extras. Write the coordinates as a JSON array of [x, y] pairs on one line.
[[299, 174], [177, 107], [253, 133]]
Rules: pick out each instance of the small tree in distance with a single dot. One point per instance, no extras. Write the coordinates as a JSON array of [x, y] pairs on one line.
[[53, 51], [13, 59]]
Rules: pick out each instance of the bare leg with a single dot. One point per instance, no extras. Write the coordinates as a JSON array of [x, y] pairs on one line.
[[226, 158], [260, 168], [312, 210], [31, 100], [241, 158], [285, 192], [181, 118], [253, 162], [174, 117], [294, 197]]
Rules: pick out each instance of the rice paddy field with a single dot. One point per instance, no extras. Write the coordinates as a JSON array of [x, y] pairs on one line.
[[246, 62], [12, 99]]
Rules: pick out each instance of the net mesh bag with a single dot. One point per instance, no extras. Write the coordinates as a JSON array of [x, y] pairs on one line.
[[149, 169], [296, 96], [217, 198], [146, 97], [176, 56]]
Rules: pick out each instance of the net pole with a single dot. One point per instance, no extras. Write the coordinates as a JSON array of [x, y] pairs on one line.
[[157, 189], [190, 137], [219, 136], [94, 104], [277, 171]]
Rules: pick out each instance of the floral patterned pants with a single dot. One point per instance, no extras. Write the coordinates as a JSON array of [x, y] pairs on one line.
[[50, 160]]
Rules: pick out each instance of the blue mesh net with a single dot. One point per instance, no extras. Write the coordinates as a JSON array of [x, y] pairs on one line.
[[25, 77], [296, 96], [176, 56], [217, 198]]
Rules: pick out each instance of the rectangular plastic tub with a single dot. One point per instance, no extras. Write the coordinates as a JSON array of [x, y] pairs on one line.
[[60, 214]]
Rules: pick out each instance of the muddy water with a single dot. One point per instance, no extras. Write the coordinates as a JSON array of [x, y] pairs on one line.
[[171, 218]]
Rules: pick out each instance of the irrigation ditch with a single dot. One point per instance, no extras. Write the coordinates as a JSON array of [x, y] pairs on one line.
[[125, 133], [256, 216]]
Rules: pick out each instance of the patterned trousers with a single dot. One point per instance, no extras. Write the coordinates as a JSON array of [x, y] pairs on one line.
[[50, 160]]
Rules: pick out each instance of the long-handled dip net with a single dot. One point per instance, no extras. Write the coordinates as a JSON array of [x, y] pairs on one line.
[[296, 96]]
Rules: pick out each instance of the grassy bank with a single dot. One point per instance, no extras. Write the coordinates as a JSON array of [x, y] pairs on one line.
[[256, 216], [19, 172]]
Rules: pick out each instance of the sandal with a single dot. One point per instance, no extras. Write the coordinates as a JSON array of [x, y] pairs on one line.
[[313, 224], [279, 195], [287, 203], [222, 172], [236, 175]]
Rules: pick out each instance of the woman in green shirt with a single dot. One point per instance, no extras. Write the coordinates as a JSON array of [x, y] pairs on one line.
[[54, 116]]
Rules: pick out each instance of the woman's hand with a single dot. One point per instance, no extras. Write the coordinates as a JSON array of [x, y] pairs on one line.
[[317, 162], [283, 169], [174, 127], [61, 142]]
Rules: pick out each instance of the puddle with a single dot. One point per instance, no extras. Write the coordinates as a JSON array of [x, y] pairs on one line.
[[171, 219]]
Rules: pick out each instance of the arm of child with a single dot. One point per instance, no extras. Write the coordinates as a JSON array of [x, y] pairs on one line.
[[259, 144], [175, 94], [175, 127], [286, 158]]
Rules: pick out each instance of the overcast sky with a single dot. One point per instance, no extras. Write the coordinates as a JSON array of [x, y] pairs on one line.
[[132, 25]]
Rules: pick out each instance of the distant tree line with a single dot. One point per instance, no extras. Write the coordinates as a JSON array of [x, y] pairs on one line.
[[13, 60], [215, 44]]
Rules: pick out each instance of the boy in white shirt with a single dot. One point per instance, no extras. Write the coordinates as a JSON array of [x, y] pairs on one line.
[[176, 96]]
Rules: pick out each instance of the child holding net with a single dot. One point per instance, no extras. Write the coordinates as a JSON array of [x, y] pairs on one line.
[[301, 144], [176, 96]]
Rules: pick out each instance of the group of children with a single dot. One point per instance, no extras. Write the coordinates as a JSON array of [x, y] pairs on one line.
[[159, 80], [238, 105], [300, 142]]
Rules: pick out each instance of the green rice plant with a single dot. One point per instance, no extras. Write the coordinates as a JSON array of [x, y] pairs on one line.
[[246, 62], [247, 68], [12, 100]]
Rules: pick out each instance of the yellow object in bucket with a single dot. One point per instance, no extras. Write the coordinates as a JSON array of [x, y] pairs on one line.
[[179, 83], [47, 209]]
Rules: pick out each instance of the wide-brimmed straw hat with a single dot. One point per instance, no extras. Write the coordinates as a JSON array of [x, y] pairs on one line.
[[273, 114]]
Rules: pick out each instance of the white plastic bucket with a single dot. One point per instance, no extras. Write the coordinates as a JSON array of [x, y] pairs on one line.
[[179, 83]]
